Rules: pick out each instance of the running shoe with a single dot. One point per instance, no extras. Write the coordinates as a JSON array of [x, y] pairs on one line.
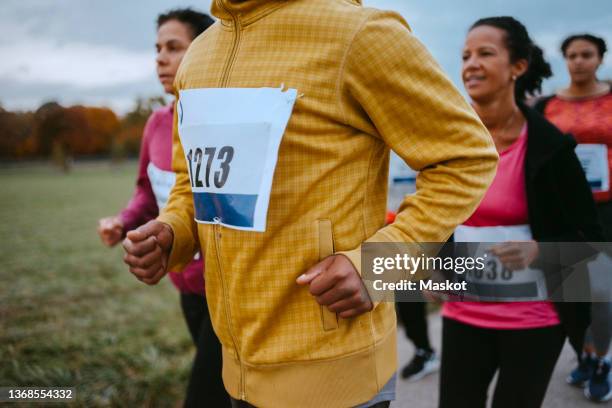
[[598, 389], [583, 373], [424, 362]]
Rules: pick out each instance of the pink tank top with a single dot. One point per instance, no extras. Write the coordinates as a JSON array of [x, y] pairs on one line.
[[504, 204]]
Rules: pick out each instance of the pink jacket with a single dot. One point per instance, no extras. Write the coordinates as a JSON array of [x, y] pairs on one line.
[[155, 179]]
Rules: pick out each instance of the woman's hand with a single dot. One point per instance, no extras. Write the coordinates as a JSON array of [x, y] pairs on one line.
[[110, 230], [434, 297], [516, 255]]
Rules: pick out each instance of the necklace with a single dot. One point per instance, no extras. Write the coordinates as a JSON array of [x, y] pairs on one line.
[[503, 132]]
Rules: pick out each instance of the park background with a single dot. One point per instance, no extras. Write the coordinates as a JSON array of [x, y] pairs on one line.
[[77, 82]]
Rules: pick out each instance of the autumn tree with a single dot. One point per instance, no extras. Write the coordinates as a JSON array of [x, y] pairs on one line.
[[133, 123], [16, 135]]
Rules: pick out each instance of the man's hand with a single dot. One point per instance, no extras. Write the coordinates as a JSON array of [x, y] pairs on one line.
[[335, 283], [516, 255], [110, 230], [147, 250]]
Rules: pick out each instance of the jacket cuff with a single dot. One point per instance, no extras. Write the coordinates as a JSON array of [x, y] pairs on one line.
[[354, 256], [183, 244]]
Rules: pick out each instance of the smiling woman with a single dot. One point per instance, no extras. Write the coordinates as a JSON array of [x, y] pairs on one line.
[[538, 192]]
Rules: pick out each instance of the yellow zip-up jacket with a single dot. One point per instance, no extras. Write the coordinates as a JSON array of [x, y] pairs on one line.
[[367, 86]]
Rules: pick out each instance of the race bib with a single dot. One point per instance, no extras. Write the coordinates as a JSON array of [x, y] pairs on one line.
[[497, 283], [162, 182], [231, 138], [594, 161]]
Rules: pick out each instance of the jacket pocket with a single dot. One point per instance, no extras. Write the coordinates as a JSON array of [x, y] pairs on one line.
[[326, 248]]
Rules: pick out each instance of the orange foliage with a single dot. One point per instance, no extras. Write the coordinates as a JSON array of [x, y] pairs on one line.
[[89, 131], [76, 130]]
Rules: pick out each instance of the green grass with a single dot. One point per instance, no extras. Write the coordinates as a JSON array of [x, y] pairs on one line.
[[70, 312]]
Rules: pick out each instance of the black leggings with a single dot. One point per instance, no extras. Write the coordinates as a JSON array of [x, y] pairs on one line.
[[413, 316], [205, 387], [471, 356]]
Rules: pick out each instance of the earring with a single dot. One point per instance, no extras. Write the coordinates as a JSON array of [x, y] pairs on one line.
[[514, 77]]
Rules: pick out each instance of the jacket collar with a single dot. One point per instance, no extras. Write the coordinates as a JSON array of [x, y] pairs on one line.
[[243, 10], [248, 11], [544, 140]]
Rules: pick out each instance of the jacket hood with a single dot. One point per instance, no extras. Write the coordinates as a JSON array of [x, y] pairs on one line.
[[248, 10]]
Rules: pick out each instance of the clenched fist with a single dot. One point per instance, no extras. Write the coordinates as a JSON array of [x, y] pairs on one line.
[[147, 249], [110, 230]]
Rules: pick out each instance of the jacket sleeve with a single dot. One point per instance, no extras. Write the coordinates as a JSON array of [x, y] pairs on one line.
[[395, 91], [179, 212]]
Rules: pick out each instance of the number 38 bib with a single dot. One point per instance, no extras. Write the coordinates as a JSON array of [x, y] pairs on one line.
[[496, 283], [231, 138]]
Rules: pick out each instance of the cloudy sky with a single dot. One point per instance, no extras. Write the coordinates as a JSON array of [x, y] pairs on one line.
[[101, 52]]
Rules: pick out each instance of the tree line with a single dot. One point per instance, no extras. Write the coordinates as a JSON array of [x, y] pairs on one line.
[[62, 133]]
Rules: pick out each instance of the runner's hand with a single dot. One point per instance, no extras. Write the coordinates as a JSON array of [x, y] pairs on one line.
[[110, 230], [147, 250], [433, 297], [335, 283], [516, 255]]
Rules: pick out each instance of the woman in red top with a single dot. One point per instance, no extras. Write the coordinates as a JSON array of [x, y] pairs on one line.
[[176, 29], [584, 109]]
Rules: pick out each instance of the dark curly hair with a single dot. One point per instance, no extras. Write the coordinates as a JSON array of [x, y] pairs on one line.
[[521, 46], [600, 43], [196, 21]]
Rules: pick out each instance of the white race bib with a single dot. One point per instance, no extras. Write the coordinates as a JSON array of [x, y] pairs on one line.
[[594, 161], [496, 282], [162, 182], [231, 138]]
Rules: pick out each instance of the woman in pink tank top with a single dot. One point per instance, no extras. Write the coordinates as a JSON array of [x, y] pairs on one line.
[[520, 341]]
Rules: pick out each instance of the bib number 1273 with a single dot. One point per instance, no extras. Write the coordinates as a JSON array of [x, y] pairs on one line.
[[231, 139], [220, 160]]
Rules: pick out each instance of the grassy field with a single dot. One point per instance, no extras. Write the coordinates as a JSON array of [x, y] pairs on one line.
[[70, 312]]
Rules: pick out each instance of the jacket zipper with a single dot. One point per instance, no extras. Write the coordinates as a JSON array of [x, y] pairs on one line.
[[230, 62], [228, 314], [217, 228]]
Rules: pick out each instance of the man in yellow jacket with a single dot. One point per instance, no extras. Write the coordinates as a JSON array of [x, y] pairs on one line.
[[279, 190]]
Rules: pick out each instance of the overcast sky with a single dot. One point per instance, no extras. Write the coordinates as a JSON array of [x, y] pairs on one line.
[[101, 52]]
